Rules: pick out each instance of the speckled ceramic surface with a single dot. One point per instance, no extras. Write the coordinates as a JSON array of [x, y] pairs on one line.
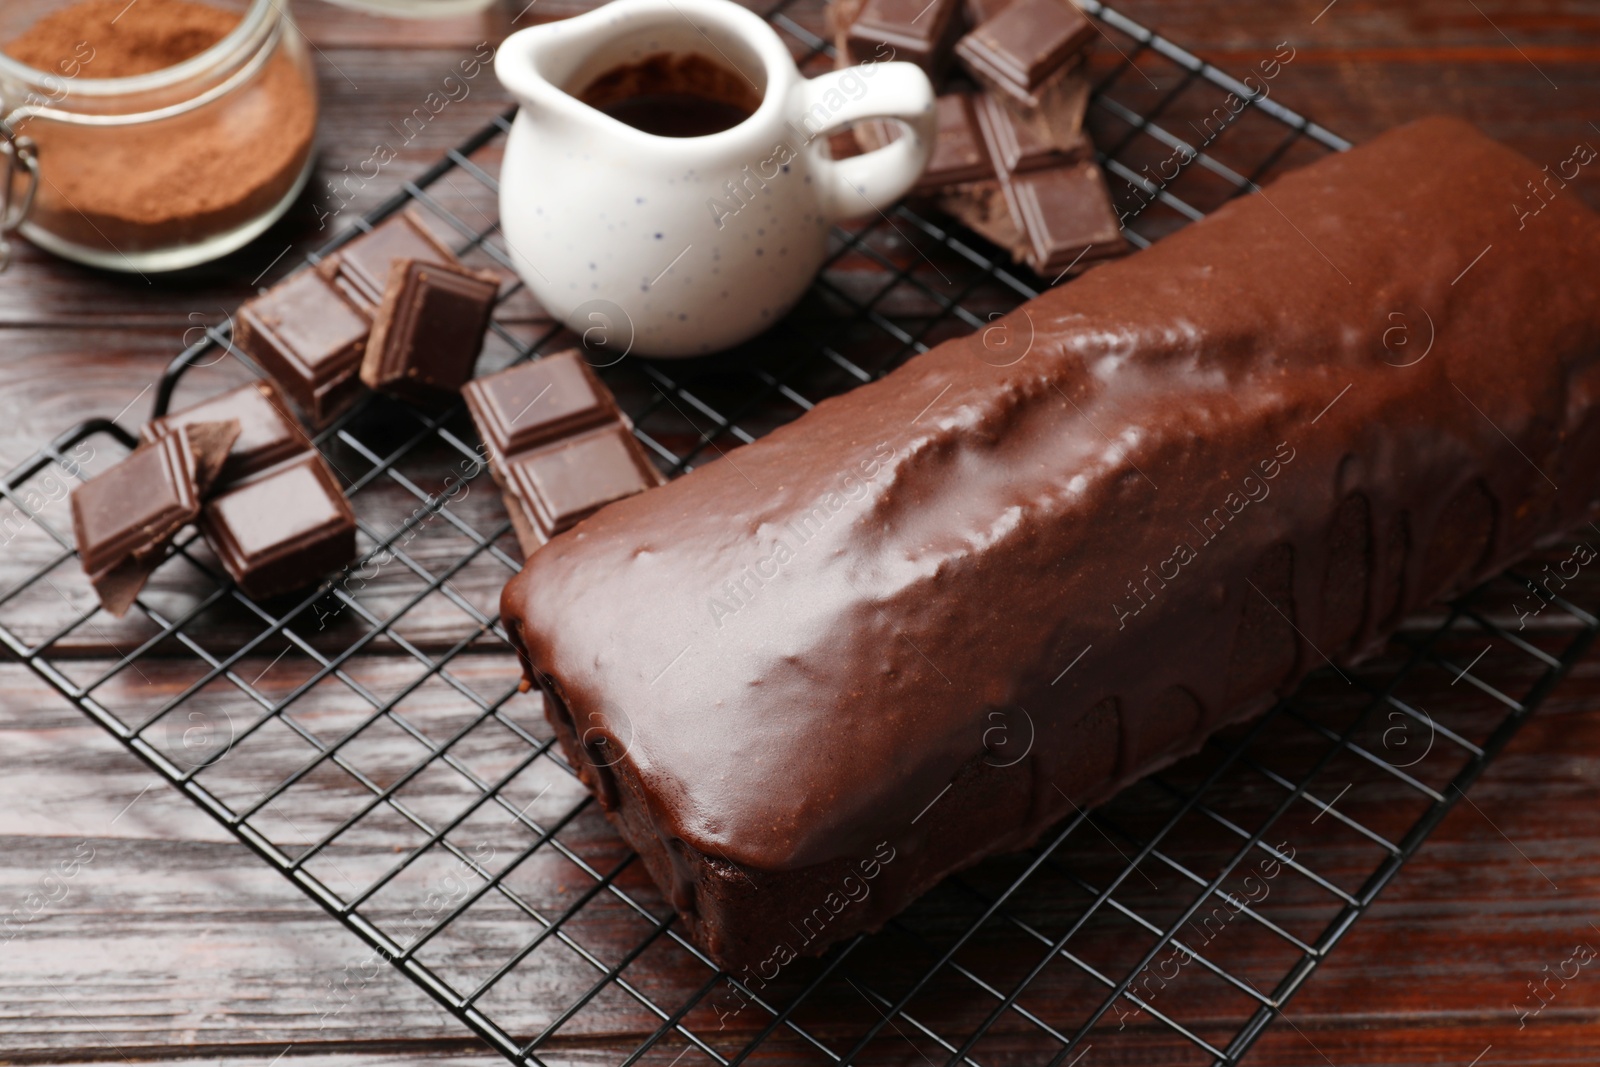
[[677, 246]]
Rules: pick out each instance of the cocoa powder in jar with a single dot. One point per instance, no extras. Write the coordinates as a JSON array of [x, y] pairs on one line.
[[173, 181]]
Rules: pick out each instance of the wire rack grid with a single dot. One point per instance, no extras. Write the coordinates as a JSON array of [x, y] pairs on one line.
[[370, 742]]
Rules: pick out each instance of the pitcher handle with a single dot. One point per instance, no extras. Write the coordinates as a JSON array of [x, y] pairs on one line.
[[867, 184]]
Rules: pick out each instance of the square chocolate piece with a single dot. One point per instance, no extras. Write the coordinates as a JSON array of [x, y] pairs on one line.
[[360, 270], [125, 518], [563, 483], [428, 331], [1017, 50], [958, 153], [915, 31], [283, 529], [268, 434], [1068, 218], [528, 405], [309, 339], [1019, 142]]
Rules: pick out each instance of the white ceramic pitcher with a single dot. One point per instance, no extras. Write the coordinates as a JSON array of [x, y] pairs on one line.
[[677, 246]]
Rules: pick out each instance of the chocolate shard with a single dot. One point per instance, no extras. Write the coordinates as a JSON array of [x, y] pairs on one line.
[[530, 404], [913, 31], [1018, 49], [309, 339], [282, 529], [210, 442], [124, 519], [268, 433], [360, 270], [1067, 216], [428, 331]]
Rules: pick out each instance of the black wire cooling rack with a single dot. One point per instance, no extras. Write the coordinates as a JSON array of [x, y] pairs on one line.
[[369, 740]]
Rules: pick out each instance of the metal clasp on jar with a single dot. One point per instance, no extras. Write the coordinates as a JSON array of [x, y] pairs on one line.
[[19, 157]]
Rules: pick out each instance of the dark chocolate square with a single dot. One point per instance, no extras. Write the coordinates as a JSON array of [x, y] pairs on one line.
[[283, 529], [360, 270], [428, 331], [1018, 49], [125, 517], [914, 31], [530, 404], [309, 339], [268, 434], [1067, 215], [139, 502], [568, 481]]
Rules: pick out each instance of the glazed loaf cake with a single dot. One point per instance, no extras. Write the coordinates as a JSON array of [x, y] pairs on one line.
[[1189, 477]]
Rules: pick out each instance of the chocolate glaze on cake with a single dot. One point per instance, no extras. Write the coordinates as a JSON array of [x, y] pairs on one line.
[[1207, 471]]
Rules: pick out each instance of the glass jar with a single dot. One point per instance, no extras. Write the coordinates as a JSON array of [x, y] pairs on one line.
[[416, 9], [159, 170]]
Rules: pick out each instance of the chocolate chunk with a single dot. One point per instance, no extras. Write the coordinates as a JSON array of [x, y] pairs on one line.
[[309, 339], [360, 270], [563, 483], [1018, 49], [531, 404], [428, 331], [125, 518], [283, 529], [958, 153], [1067, 217], [1017, 142], [268, 434], [914, 31]]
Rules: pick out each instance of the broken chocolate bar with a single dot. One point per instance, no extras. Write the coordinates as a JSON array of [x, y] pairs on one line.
[[268, 434], [428, 330], [530, 404], [282, 529], [1067, 216], [360, 270], [557, 442], [913, 31], [125, 518], [1017, 50], [309, 339]]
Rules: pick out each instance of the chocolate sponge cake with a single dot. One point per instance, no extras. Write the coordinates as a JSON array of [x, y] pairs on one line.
[[1179, 484]]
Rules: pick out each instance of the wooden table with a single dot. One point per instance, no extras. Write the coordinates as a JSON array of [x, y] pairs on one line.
[[174, 943]]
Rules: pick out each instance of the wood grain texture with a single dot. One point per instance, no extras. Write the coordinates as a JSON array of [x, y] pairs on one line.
[[173, 944]]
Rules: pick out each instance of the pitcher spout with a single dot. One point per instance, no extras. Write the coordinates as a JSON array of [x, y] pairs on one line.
[[536, 63]]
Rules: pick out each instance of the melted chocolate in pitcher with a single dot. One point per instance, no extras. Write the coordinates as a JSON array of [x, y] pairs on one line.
[[673, 95]]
